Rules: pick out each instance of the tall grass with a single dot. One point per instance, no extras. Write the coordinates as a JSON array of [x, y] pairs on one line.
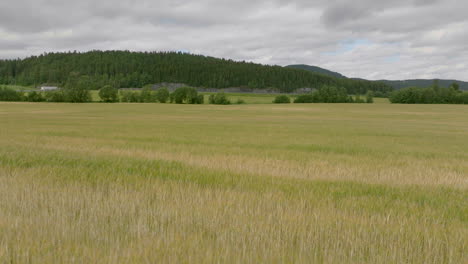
[[98, 183]]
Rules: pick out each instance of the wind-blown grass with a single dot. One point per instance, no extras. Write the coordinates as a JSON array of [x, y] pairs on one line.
[[105, 183]]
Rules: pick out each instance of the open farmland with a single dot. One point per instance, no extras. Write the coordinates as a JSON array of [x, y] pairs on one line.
[[333, 183]]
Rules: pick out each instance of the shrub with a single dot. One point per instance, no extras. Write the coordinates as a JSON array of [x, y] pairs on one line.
[[7, 94], [304, 98], [282, 99], [129, 97], [147, 95], [124, 96], [358, 100], [430, 95], [369, 97], [200, 99], [162, 95], [219, 99], [240, 101], [380, 94], [34, 97], [186, 95], [108, 94], [332, 94], [463, 98], [76, 89], [54, 96]]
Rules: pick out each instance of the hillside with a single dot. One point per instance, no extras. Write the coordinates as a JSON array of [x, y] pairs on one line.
[[136, 69], [396, 84], [424, 83], [317, 70]]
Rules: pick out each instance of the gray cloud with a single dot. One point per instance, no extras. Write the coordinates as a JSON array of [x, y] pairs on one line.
[[393, 39], [346, 13]]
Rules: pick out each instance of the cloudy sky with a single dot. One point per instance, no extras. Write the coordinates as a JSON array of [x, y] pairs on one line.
[[392, 39]]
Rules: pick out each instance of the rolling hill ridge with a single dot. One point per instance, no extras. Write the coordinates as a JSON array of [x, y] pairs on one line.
[[124, 69], [396, 84]]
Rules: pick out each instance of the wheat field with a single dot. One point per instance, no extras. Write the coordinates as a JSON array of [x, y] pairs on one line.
[[162, 183]]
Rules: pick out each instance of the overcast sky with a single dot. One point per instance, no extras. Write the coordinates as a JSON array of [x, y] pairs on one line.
[[392, 39]]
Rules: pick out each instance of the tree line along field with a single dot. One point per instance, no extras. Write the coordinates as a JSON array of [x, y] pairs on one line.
[[77, 91], [234, 98], [303, 183]]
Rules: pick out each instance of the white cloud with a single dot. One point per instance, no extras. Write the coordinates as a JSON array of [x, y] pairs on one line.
[[396, 39]]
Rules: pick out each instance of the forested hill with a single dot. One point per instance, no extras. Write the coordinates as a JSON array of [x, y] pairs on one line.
[[136, 69], [317, 70], [396, 84], [424, 83]]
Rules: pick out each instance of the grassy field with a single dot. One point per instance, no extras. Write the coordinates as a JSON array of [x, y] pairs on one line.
[[163, 183]]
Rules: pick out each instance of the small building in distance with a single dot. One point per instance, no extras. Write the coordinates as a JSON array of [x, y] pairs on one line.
[[49, 88]]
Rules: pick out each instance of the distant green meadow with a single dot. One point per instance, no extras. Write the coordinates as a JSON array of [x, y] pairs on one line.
[[253, 183], [19, 87]]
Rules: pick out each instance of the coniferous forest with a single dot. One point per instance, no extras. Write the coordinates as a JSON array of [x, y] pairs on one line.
[[136, 69]]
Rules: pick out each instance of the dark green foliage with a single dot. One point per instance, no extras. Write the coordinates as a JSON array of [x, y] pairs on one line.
[[463, 98], [282, 99], [200, 99], [147, 95], [369, 97], [455, 86], [410, 95], [240, 101], [219, 98], [424, 83], [380, 94], [358, 100], [122, 69], [430, 95], [109, 94], [57, 96], [7, 94], [77, 89], [34, 97], [305, 98], [186, 95], [317, 70], [162, 95], [331, 94], [130, 97]]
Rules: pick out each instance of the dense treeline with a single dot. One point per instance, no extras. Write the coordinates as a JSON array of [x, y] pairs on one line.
[[430, 95], [331, 94], [282, 99], [317, 70], [67, 94], [10, 95], [108, 94], [183, 95], [137, 69], [219, 98], [424, 83]]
